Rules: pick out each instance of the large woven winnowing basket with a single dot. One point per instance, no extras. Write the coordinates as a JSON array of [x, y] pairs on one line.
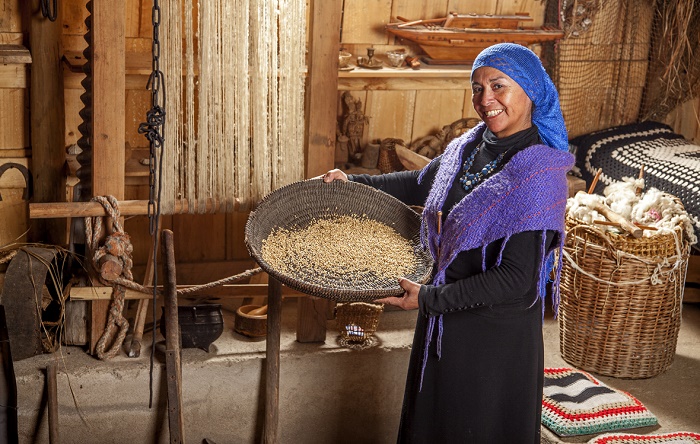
[[621, 298], [297, 205]]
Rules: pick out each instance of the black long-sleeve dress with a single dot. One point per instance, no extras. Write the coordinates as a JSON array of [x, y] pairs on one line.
[[487, 385]]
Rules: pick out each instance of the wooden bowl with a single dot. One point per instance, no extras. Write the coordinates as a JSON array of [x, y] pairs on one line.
[[253, 326]]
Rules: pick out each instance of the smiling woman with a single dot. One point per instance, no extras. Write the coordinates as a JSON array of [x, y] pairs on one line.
[[493, 219], [500, 102]]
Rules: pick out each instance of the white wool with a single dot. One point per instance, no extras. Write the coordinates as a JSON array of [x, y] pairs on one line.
[[652, 208], [622, 196]]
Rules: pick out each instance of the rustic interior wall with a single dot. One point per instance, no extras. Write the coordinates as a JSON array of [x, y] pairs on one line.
[[396, 108]]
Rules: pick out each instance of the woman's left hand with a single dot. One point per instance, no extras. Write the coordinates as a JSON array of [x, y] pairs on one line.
[[409, 300]]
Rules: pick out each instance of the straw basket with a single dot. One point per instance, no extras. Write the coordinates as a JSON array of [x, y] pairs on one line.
[[357, 322], [621, 298], [299, 204]]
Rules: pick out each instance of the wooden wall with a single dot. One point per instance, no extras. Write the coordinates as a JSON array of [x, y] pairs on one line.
[[14, 126], [398, 105], [408, 105]]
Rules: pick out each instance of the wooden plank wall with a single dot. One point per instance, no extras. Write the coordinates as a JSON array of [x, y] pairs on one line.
[[14, 128], [224, 239], [403, 112]]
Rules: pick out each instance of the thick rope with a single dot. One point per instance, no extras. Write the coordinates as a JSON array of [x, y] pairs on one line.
[[116, 244], [131, 285]]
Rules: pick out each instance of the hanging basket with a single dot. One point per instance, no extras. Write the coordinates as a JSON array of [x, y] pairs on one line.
[[357, 322], [621, 297], [299, 204]]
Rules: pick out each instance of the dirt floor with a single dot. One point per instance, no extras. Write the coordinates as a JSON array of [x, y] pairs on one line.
[[328, 393]]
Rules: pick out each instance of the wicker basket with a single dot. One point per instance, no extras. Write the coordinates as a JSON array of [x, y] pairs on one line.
[[621, 298], [298, 204], [357, 322]]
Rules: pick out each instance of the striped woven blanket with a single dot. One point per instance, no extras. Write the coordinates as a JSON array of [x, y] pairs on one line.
[[576, 403], [671, 163]]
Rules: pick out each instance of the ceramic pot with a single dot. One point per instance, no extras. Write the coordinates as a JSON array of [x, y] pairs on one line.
[[200, 325]]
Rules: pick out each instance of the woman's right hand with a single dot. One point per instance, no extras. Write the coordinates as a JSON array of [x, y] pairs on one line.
[[335, 174]]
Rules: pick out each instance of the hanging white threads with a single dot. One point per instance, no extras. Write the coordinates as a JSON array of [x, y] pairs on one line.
[[239, 68]]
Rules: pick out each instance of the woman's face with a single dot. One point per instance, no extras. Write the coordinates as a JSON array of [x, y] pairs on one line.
[[500, 102]]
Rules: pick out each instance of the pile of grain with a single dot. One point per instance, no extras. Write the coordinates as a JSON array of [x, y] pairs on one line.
[[336, 251]]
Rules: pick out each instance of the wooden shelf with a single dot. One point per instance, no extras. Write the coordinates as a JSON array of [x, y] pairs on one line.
[[14, 55], [387, 78], [136, 62]]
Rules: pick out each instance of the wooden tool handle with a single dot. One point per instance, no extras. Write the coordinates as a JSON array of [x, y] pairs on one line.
[[615, 224], [258, 311], [612, 216]]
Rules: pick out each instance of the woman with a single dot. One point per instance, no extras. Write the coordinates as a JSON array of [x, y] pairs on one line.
[[476, 368]]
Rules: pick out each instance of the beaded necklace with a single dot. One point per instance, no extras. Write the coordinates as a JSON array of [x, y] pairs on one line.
[[470, 180]]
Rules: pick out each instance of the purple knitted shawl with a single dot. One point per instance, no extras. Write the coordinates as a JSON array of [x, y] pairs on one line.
[[529, 193]]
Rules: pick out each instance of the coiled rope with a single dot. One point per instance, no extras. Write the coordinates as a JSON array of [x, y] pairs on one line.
[[118, 244]]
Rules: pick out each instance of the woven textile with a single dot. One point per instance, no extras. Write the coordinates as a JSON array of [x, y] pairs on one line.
[[671, 163], [666, 438], [575, 403]]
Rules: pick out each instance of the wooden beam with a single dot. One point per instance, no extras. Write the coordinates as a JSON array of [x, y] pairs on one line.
[[322, 85], [322, 96], [222, 291], [14, 54], [272, 361], [94, 209], [108, 123], [47, 121]]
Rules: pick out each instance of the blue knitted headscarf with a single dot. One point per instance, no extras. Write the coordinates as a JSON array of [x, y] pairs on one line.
[[525, 68]]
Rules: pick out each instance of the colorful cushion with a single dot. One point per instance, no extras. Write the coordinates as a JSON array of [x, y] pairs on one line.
[[667, 438], [575, 403]]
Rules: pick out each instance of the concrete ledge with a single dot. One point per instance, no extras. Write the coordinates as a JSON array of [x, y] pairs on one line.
[[328, 393]]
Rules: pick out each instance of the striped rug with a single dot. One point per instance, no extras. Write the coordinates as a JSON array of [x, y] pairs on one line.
[[666, 438], [576, 403]]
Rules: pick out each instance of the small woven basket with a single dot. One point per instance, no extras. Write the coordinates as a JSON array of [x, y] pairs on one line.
[[621, 297], [357, 322], [301, 203], [388, 158]]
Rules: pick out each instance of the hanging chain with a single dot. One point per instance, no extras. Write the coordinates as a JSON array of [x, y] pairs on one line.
[[155, 119], [46, 10], [153, 130]]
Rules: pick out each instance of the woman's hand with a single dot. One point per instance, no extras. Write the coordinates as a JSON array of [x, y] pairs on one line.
[[332, 175], [409, 300]]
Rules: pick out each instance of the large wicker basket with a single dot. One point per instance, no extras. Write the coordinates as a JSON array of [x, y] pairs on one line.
[[300, 203], [621, 298]]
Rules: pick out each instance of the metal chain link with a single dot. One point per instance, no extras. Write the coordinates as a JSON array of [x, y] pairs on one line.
[[46, 10], [153, 130], [155, 120]]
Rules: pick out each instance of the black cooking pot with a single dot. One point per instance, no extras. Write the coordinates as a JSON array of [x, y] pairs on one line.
[[200, 325]]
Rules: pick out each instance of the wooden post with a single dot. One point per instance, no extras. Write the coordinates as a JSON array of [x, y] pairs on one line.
[[322, 98], [108, 126], [173, 368], [47, 121], [52, 389], [142, 308], [9, 432], [272, 359]]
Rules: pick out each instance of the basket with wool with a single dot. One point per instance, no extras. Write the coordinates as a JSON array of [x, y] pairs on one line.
[[621, 298]]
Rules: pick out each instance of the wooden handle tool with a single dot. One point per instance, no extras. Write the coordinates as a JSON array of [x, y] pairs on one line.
[[260, 311], [612, 216]]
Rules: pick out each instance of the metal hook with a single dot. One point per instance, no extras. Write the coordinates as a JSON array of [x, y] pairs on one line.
[[27, 177]]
